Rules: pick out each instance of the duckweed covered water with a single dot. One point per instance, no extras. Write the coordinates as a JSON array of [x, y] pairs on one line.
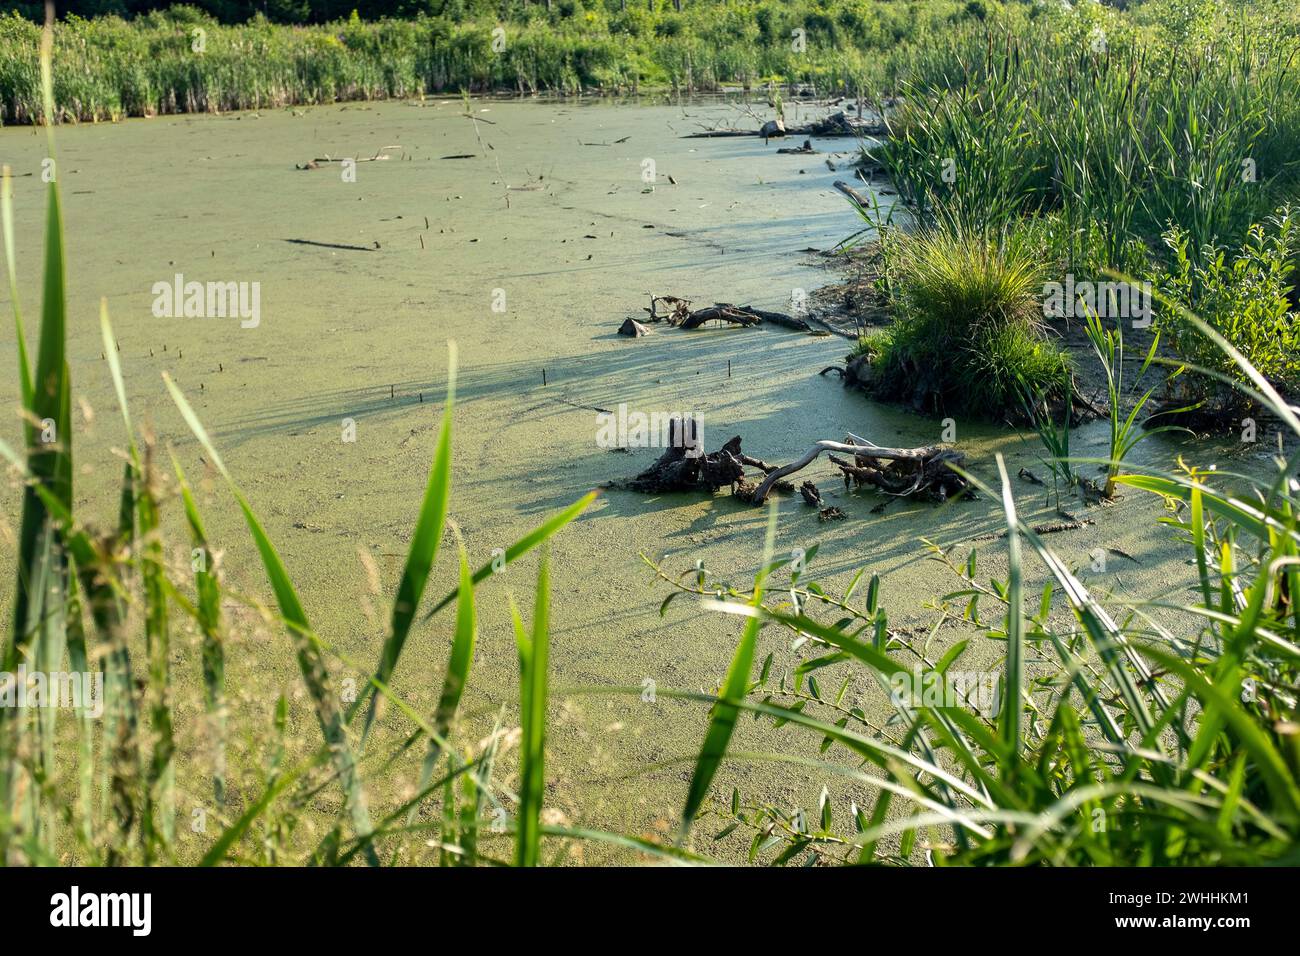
[[550, 218]]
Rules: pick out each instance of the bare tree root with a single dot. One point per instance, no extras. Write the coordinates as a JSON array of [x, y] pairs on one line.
[[923, 472], [904, 472]]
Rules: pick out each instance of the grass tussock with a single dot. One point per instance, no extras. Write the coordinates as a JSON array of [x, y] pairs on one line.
[[968, 336]]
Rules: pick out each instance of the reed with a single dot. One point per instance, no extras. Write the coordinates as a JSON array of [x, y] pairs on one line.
[[1117, 131], [109, 68]]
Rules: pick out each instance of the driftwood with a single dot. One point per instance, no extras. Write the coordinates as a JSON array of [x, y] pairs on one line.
[[805, 150], [814, 497], [320, 161], [840, 124], [721, 313], [837, 124], [1051, 527], [902, 472], [633, 328], [778, 318], [679, 313], [720, 133], [859, 200], [810, 494], [684, 466]]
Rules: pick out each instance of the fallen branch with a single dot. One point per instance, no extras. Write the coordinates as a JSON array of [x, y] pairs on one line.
[[1051, 527], [720, 313], [911, 470], [899, 472], [813, 497], [859, 200], [779, 318], [805, 150], [837, 124], [680, 314]]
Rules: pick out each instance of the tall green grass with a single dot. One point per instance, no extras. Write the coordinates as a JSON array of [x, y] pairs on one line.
[[109, 68], [1155, 143], [1116, 131]]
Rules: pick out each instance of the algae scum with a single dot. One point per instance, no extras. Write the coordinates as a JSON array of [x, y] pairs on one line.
[[542, 236]]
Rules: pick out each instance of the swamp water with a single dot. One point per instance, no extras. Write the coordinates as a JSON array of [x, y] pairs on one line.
[[354, 316]]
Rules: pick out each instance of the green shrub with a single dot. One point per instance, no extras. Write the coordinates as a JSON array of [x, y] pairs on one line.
[[1246, 296]]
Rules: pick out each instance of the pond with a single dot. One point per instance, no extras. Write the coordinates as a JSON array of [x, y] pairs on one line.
[[529, 251]]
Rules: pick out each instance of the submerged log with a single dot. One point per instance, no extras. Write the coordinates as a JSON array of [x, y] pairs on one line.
[[810, 494], [859, 200], [721, 313], [779, 318], [841, 124], [680, 314], [805, 150], [837, 124]]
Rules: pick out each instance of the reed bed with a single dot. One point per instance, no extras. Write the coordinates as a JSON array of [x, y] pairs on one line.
[[1156, 145], [109, 68], [1117, 132]]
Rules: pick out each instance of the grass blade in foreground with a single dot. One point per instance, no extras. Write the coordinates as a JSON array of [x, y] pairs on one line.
[[49, 450], [723, 720], [457, 677], [1011, 704], [20, 334], [208, 590], [534, 657], [311, 661], [424, 549]]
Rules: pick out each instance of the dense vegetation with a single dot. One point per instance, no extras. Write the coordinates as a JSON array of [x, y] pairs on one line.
[[1156, 732], [1158, 146], [109, 68]]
